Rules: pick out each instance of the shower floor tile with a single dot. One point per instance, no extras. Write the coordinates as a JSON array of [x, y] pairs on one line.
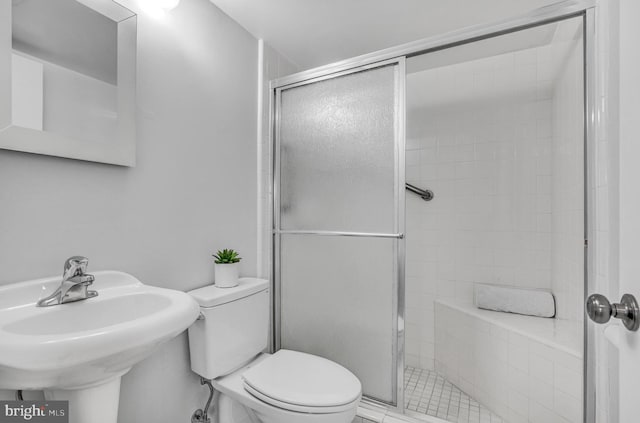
[[427, 392]]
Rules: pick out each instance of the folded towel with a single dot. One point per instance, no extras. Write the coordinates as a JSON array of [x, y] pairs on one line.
[[532, 302]]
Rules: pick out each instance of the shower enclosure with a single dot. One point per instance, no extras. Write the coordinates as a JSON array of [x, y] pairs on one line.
[[492, 120]]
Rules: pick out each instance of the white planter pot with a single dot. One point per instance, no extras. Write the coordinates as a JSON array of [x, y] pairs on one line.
[[227, 275]]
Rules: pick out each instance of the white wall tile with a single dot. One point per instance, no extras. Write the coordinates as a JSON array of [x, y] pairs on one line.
[[568, 381], [568, 407], [541, 367], [541, 391], [538, 413]]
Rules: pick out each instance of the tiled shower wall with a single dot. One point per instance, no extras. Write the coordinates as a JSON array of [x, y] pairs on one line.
[[567, 218], [499, 141], [487, 157]]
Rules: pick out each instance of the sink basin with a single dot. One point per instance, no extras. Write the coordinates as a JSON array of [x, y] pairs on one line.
[[100, 314], [72, 350]]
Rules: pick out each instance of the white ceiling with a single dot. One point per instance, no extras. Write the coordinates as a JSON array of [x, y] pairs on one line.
[[312, 33]]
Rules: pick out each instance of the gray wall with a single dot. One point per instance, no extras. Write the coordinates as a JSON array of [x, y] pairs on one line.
[[192, 192]]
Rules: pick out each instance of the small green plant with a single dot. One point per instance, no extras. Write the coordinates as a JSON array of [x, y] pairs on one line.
[[227, 256]]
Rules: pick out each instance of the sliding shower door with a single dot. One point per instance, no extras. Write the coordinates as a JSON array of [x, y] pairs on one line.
[[338, 222]]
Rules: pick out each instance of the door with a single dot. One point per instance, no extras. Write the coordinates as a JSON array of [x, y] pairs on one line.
[[617, 350], [629, 280], [338, 222]]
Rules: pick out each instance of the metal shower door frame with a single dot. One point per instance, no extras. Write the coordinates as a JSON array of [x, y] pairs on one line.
[[399, 217]]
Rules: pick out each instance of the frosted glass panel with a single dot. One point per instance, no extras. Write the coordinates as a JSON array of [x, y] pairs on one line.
[[337, 153], [337, 302]]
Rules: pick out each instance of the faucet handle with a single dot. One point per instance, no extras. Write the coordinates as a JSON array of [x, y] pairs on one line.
[[74, 266]]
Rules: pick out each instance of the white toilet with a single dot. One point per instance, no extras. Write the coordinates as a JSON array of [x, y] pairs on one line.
[[285, 387]]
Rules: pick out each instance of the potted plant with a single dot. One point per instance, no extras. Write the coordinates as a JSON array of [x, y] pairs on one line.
[[227, 267]]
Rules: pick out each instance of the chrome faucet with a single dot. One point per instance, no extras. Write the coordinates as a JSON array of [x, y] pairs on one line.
[[74, 285]]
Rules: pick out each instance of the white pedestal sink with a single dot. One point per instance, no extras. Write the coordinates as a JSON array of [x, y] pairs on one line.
[[79, 351]]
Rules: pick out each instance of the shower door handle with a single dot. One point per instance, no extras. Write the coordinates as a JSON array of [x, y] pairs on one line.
[[600, 310]]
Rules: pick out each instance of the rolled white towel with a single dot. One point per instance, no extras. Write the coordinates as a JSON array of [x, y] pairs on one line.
[[532, 302]]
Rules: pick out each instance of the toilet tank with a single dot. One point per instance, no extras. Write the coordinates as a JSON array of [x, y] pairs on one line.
[[232, 329]]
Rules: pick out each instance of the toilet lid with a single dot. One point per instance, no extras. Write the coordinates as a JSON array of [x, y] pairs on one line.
[[295, 380]]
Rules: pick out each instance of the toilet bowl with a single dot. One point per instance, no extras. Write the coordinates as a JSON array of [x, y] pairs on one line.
[[226, 346], [289, 398]]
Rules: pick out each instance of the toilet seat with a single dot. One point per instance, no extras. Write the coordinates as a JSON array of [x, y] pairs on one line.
[[302, 382], [297, 408]]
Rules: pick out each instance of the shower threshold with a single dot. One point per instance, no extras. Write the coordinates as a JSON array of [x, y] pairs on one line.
[[429, 394]]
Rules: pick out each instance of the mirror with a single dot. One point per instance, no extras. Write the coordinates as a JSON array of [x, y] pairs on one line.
[[67, 79]]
